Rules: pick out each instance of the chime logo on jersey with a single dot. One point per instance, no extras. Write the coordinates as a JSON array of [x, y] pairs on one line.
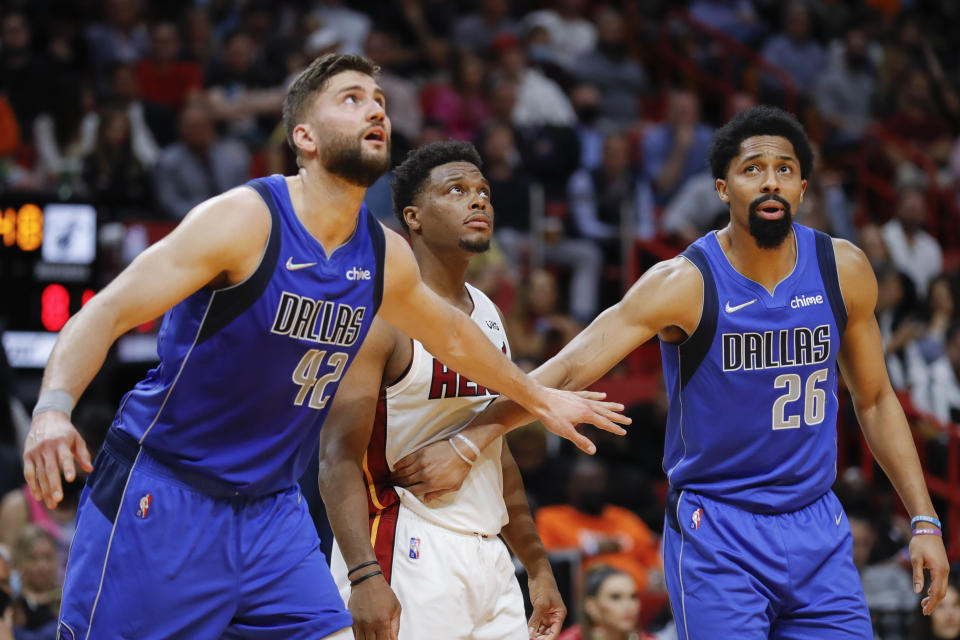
[[696, 517], [144, 505], [414, 548], [320, 321]]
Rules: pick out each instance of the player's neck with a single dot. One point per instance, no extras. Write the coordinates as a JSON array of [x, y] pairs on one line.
[[326, 204], [766, 267], [445, 274]]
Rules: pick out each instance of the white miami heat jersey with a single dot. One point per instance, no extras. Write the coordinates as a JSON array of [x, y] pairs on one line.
[[429, 403]]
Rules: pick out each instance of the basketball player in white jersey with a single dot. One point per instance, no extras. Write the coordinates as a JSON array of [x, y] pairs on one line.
[[446, 565]]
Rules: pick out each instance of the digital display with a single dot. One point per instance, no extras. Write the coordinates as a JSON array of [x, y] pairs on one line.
[[48, 271]]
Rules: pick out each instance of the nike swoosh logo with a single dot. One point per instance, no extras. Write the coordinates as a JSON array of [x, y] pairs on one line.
[[293, 266], [730, 309], [837, 519]]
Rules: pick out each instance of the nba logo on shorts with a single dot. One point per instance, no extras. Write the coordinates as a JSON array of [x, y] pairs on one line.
[[695, 518], [144, 505], [414, 548]]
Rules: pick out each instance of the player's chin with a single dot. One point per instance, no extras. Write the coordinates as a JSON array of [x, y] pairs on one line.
[[476, 242]]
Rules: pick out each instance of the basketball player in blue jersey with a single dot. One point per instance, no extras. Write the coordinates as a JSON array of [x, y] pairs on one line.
[[393, 550], [754, 322], [191, 524]]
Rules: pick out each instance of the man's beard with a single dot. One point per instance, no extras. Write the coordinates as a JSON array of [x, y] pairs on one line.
[[474, 246], [343, 157], [770, 234]]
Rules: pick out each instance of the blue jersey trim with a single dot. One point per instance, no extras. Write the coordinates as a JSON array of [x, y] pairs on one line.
[[233, 301], [827, 260], [379, 240], [695, 348]]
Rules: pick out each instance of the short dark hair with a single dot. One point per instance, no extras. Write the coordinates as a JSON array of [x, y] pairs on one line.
[[410, 177], [759, 121], [313, 79]]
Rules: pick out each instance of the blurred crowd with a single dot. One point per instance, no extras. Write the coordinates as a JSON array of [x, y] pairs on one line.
[[593, 121]]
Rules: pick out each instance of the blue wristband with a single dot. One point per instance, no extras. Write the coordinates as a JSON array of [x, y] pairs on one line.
[[930, 519]]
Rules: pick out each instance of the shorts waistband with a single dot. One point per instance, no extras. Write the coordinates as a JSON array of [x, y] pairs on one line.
[[125, 447], [460, 532]]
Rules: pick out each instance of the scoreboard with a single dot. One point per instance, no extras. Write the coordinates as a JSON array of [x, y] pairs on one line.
[[49, 268]]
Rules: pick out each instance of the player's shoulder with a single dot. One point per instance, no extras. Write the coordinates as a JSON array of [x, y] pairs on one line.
[[858, 284], [675, 276], [240, 209]]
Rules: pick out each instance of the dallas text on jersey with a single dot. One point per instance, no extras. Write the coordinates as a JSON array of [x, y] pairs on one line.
[[320, 321], [776, 349]]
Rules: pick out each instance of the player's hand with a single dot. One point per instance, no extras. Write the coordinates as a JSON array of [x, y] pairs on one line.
[[927, 552], [431, 471], [548, 608], [52, 444], [375, 610], [564, 410]]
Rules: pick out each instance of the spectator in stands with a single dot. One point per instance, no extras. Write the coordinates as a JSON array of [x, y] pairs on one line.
[[914, 251], [461, 106], [199, 165], [113, 173], [537, 327], [794, 49], [199, 39], [605, 202], [241, 90], [6, 591], [122, 36], [352, 26], [478, 30], [736, 18], [539, 100], [919, 121], [64, 135], [676, 149], [943, 397], [610, 607], [844, 90], [165, 81], [125, 95], [570, 33], [35, 559], [944, 622], [604, 533], [590, 129], [620, 78], [899, 327]]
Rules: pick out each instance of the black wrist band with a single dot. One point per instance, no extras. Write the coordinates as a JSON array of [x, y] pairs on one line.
[[354, 583], [361, 566]]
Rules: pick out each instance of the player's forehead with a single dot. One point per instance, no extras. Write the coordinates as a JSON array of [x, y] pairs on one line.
[[455, 171], [350, 79], [766, 147]]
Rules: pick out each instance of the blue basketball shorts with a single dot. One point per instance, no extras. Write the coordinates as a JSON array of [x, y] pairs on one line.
[[155, 557], [785, 576]]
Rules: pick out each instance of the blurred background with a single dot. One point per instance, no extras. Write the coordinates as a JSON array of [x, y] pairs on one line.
[[593, 121]]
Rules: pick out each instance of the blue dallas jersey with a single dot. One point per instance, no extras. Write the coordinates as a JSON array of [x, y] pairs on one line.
[[753, 404], [247, 373]]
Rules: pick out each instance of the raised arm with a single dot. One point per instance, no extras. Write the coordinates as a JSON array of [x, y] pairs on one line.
[[881, 416], [343, 443], [219, 243], [521, 536], [460, 344]]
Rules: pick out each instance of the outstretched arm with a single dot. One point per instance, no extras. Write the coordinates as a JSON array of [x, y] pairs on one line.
[[460, 344], [666, 299], [881, 416], [521, 536], [344, 483], [220, 242]]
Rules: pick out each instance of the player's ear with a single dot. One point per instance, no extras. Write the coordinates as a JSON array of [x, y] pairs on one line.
[[303, 138], [412, 216], [722, 190], [803, 189]]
